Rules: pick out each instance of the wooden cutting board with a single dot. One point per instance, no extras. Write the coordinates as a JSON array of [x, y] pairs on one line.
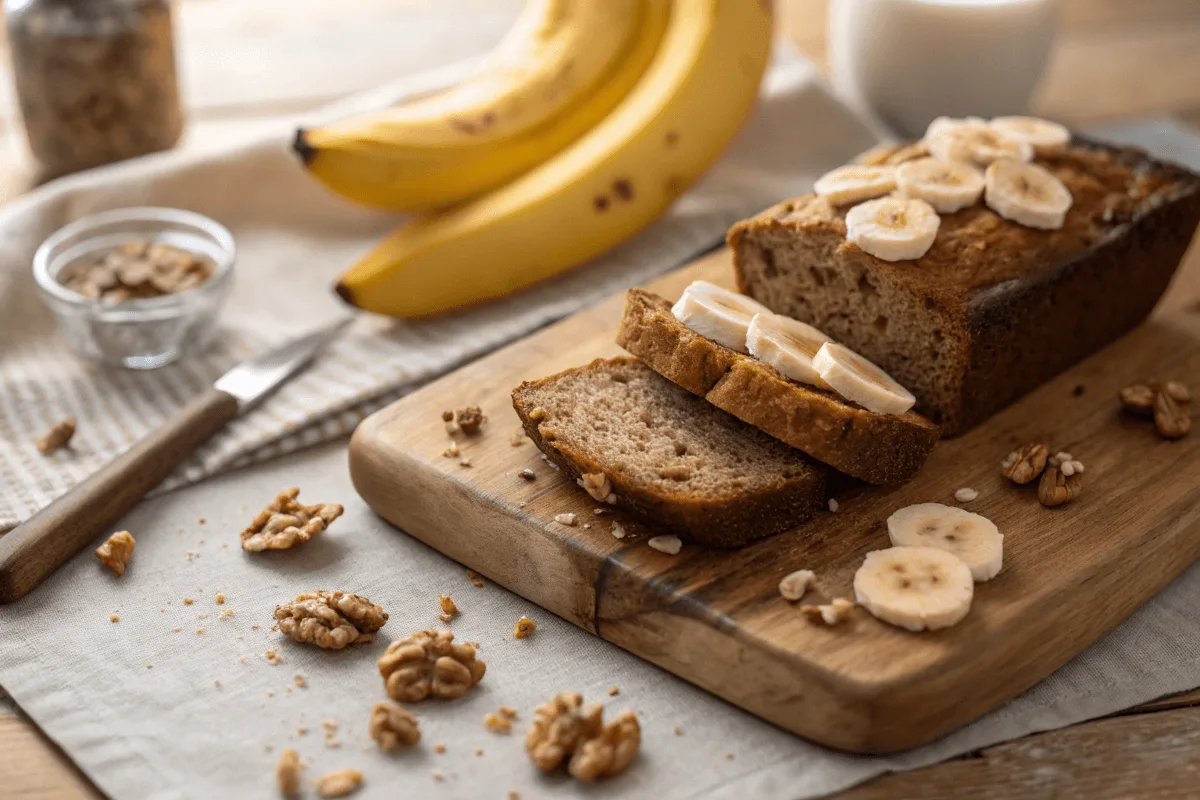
[[715, 617]]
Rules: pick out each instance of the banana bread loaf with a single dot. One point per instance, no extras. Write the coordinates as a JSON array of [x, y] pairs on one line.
[[993, 308]]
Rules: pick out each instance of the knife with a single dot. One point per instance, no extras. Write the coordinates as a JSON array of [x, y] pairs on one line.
[[32, 551]]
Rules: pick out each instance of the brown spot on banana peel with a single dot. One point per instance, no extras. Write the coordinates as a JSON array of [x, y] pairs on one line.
[[600, 202], [623, 189]]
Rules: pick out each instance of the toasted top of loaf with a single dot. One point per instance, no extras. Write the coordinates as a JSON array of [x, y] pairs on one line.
[[878, 448], [976, 248], [669, 455]]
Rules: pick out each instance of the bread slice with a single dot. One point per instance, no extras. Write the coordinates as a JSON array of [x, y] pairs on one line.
[[885, 449], [669, 456]]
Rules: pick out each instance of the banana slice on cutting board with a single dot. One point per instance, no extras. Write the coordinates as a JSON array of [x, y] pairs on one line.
[[1044, 136], [855, 182], [917, 588], [893, 228], [948, 186], [975, 142], [718, 314], [1027, 194], [788, 345], [857, 379], [971, 538]]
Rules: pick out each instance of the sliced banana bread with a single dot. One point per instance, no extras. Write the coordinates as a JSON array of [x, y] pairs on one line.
[[668, 455], [884, 449], [993, 308]]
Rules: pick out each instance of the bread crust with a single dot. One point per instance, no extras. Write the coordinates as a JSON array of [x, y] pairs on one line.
[[721, 522], [885, 449], [993, 309]]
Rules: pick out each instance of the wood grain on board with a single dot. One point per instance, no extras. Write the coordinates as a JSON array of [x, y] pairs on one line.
[[1095, 36], [715, 617]]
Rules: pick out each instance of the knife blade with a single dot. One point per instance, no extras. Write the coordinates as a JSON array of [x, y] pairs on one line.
[[32, 551]]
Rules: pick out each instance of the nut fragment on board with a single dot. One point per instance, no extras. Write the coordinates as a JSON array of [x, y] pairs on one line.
[[524, 627], [830, 613], [1056, 487], [1171, 419], [330, 620], [285, 523], [1025, 464], [966, 494], [671, 545], [429, 663], [795, 584], [598, 486], [564, 729], [288, 772], [116, 551], [339, 784], [469, 419], [57, 437], [392, 726], [567, 519]]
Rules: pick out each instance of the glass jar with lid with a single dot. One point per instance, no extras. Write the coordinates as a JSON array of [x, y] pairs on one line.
[[95, 79]]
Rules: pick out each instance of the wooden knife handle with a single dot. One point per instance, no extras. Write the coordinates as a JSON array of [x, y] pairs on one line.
[[32, 551]]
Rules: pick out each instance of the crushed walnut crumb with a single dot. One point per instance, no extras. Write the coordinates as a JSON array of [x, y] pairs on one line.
[[613, 691], [464, 462], [671, 545], [470, 419], [187, 601], [831, 613], [116, 551], [285, 523], [288, 772], [300, 681], [449, 608], [966, 495], [524, 627], [113, 618], [568, 519], [678, 731], [528, 474], [392, 726], [439, 748], [475, 580], [220, 598], [518, 438], [564, 729], [429, 663], [57, 437], [452, 451], [199, 630], [618, 530], [795, 584], [598, 485], [273, 658], [339, 784], [513, 794], [496, 723], [437, 775]]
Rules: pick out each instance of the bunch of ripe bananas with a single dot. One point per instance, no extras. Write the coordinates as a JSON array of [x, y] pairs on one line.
[[588, 120]]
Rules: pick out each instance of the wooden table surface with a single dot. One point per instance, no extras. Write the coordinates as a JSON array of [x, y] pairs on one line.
[[1114, 58]]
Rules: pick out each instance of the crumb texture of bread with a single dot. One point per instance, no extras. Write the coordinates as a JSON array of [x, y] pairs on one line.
[[670, 456], [993, 309], [887, 449]]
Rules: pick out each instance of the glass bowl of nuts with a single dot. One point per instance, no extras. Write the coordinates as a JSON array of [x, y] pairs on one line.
[[137, 287]]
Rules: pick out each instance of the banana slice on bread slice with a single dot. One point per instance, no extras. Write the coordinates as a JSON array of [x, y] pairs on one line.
[[916, 588], [857, 379], [971, 538], [788, 345], [717, 314]]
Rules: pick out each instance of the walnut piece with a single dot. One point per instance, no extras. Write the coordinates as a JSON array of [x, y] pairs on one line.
[[429, 663], [497, 723], [598, 486], [449, 607], [795, 584], [116, 551], [285, 523], [340, 783], [57, 437], [670, 545], [392, 726], [525, 626], [469, 419], [330, 620], [288, 772], [1056, 487], [136, 270], [831, 613], [1025, 464], [566, 729], [1171, 420], [1138, 399]]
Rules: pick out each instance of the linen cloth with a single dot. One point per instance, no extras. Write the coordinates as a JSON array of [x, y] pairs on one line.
[[294, 238]]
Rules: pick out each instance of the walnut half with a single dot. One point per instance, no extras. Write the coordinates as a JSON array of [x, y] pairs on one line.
[[393, 726], [285, 523], [1026, 464], [116, 551], [330, 620], [566, 729], [429, 663]]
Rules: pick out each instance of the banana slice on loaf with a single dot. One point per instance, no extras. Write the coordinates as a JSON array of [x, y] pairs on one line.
[[668, 455], [886, 449]]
